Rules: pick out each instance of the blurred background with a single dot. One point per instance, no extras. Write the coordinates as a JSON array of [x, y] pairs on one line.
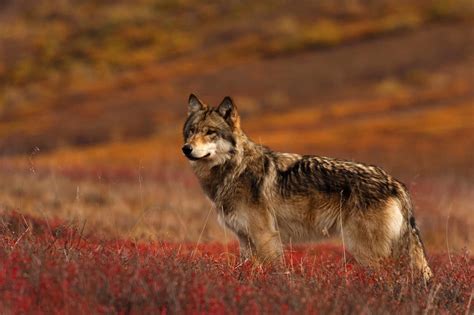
[[93, 95]]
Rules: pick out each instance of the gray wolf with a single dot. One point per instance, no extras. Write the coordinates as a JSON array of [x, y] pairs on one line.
[[269, 198]]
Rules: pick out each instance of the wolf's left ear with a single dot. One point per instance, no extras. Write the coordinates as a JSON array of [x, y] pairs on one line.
[[195, 104], [228, 110]]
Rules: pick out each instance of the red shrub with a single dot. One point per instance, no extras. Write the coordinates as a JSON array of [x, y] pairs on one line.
[[53, 269]]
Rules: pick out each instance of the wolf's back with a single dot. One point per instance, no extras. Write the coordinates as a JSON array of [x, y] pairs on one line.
[[362, 185]]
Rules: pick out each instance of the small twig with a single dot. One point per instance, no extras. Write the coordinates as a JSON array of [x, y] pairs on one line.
[[140, 183], [342, 236], [468, 307], [226, 246], [447, 238], [81, 234], [200, 234], [21, 236], [51, 243], [65, 251], [291, 256], [431, 298], [46, 220], [30, 160]]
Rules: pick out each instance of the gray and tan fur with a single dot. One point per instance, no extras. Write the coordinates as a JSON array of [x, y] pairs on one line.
[[269, 198]]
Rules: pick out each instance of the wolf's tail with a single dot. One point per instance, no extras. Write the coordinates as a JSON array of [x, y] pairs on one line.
[[411, 237]]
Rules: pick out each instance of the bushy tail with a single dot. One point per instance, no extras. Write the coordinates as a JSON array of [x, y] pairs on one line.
[[412, 238]]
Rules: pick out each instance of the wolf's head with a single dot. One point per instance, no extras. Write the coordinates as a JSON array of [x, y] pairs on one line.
[[210, 134]]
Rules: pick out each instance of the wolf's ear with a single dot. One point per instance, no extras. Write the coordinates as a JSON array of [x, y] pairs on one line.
[[195, 104], [228, 110]]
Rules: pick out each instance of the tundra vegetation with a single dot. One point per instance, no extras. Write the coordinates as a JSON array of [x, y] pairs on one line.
[[99, 211]]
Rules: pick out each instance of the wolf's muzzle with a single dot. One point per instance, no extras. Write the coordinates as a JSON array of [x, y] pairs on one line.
[[187, 149]]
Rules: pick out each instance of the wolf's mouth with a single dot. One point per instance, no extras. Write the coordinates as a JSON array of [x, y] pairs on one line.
[[192, 158]]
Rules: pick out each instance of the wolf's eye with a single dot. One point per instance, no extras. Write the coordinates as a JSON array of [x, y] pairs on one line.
[[210, 132]]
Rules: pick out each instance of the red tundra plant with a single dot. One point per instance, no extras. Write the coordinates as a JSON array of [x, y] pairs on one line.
[[49, 268]]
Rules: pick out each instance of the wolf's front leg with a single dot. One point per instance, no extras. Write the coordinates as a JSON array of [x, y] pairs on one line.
[[265, 237], [269, 248], [246, 248]]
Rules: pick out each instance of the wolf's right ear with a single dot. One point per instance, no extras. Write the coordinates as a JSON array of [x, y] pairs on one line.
[[195, 104], [228, 111]]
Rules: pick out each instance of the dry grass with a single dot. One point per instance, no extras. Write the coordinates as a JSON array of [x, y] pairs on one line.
[[127, 204], [152, 203]]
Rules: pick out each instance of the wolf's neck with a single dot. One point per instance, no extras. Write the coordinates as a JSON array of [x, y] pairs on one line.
[[247, 154], [216, 179]]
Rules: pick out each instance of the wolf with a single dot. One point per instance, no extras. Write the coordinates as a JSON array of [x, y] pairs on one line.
[[270, 198]]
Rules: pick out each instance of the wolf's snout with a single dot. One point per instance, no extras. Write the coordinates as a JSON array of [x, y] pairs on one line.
[[187, 149]]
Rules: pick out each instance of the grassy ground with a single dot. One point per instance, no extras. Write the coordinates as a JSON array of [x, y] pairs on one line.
[[52, 268]]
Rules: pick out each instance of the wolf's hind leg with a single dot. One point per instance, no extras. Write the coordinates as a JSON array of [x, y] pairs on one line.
[[371, 234], [418, 259], [411, 242]]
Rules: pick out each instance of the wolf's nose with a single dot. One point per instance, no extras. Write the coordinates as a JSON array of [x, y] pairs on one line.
[[187, 149]]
